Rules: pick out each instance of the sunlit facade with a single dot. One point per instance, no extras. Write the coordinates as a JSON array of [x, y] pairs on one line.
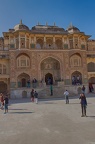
[[67, 57]]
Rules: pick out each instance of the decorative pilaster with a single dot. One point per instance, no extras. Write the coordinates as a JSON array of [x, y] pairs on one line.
[[19, 41], [44, 46], [25, 40], [54, 45]]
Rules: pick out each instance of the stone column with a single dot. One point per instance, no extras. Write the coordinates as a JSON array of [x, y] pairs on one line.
[[54, 45], [14, 42], [63, 42], [25, 40], [19, 41], [29, 41], [9, 42], [44, 46], [35, 39], [68, 42]]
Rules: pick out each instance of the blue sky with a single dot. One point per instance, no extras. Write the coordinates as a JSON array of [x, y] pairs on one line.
[[63, 12]]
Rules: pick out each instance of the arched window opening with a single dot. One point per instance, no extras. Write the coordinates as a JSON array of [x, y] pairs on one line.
[[49, 43], [2, 69], [59, 43], [23, 61], [75, 60], [39, 44]]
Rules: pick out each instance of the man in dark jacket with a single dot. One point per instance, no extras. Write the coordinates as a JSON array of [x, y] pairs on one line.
[[83, 104]]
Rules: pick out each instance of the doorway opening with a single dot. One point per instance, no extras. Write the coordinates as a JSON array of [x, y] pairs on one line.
[[48, 79]]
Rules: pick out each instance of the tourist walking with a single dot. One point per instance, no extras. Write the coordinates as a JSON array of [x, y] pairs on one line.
[[66, 93], [6, 101], [36, 97], [32, 95], [83, 104]]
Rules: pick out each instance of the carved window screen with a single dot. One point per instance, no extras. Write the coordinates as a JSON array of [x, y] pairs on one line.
[[75, 61], [23, 61]]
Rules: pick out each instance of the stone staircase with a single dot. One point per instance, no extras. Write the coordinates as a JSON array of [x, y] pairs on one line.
[[43, 92], [58, 92]]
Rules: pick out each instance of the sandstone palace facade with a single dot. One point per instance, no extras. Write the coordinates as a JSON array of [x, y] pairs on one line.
[[66, 57]]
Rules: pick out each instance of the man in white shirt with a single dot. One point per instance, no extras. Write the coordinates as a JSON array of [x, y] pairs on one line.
[[66, 93]]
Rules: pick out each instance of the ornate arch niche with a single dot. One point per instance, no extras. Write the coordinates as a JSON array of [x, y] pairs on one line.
[[23, 61], [75, 60], [52, 66]]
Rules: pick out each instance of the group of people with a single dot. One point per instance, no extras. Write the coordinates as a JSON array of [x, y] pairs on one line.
[[4, 102], [34, 96], [34, 82], [76, 80], [82, 98]]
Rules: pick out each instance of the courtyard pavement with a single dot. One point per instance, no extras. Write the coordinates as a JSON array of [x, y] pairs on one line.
[[51, 121]]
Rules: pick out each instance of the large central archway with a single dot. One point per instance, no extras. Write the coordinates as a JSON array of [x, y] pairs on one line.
[[50, 69]]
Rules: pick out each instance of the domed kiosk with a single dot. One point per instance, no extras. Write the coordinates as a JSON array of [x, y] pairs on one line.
[[73, 29], [21, 26]]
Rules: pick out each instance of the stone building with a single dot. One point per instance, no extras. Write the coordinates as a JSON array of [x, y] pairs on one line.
[[46, 53]]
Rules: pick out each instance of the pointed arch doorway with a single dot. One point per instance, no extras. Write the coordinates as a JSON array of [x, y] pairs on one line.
[[23, 81], [48, 79], [50, 69]]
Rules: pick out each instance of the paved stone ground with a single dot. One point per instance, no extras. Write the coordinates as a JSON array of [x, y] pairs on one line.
[[48, 122]]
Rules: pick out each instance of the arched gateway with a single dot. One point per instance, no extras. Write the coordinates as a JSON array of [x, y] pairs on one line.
[[48, 79], [50, 70]]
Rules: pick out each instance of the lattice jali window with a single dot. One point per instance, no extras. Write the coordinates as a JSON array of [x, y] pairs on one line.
[[2, 69], [23, 61], [75, 60]]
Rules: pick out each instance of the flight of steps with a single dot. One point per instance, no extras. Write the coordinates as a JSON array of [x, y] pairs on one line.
[[58, 92]]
